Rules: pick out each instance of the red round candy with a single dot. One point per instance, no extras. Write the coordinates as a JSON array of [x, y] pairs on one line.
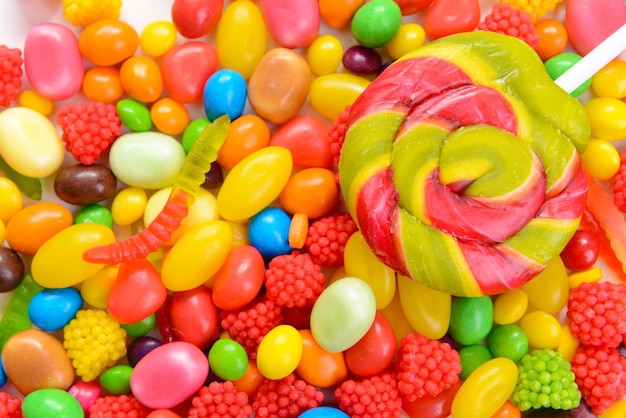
[[581, 252], [195, 318], [195, 18], [375, 351], [186, 68], [447, 17], [307, 138], [239, 279]]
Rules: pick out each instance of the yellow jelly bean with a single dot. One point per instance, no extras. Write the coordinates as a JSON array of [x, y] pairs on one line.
[[549, 290], [427, 310], [568, 344], [409, 37], [59, 261], [601, 159], [398, 320], [610, 81], [32, 100], [196, 256], [324, 54], [10, 199], [542, 329], [3, 232], [617, 410], [29, 142], [279, 352], [331, 93], [486, 389], [254, 183], [240, 233], [510, 306], [128, 205], [591, 275], [241, 37], [607, 117], [157, 38], [96, 289], [360, 261]]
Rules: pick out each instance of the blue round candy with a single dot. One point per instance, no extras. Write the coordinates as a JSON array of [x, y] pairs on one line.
[[268, 232], [52, 309], [224, 94], [3, 375], [323, 412]]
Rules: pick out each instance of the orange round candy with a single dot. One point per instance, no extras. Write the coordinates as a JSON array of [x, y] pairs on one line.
[[337, 13], [251, 379], [141, 79], [169, 116], [312, 192], [103, 84], [108, 42], [318, 366], [552, 38], [247, 134]]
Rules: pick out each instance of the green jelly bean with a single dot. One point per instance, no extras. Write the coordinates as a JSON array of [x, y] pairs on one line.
[[50, 402], [96, 214], [470, 319], [116, 380], [508, 341], [472, 356], [560, 63], [140, 328], [192, 131], [228, 359], [134, 115], [376, 23], [15, 316]]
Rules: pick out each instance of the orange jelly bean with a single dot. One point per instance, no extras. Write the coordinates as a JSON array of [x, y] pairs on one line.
[[247, 134], [108, 42], [251, 380], [169, 116], [141, 79], [320, 367], [33, 225], [103, 84], [312, 191], [337, 13]]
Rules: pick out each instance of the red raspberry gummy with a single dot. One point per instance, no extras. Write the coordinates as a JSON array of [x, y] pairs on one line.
[[327, 238], [10, 74], [293, 280], [120, 406], [287, 397], [220, 400], [509, 21], [374, 396], [10, 406]]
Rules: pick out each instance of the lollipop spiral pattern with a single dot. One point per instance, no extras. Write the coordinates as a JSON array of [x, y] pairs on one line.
[[461, 164]]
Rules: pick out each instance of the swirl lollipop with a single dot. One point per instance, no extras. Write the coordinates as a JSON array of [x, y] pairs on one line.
[[461, 164]]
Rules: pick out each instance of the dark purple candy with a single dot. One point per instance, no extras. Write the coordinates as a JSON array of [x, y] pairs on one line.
[[361, 60], [214, 177], [11, 269], [84, 185], [139, 347]]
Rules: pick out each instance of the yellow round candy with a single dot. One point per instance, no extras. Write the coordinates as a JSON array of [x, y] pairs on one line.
[[607, 117], [324, 54], [240, 233], [510, 306], [128, 205], [331, 93], [610, 81], [549, 290], [568, 344], [96, 289], [601, 160], [426, 309], [157, 38], [542, 329], [279, 352], [32, 100], [3, 232], [10, 199], [409, 37], [617, 410]]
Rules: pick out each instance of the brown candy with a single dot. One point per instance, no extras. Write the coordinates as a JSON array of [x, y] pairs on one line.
[[85, 184], [11, 269]]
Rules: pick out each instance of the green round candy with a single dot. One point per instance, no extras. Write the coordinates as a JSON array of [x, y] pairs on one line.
[[376, 23], [134, 115], [228, 359], [470, 319], [51, 402], [508, 341], [95, 214], [192, 131], [560, 63], [140, 328], [116, 380], [472, 356]]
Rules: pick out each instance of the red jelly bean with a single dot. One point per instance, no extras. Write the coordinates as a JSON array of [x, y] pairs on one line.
[[375, 351], [239, 279], [195, 18], [410, 7], [292, 24], [306, 137], [447, 17], [186, 68], [438, 406], [195, 318]]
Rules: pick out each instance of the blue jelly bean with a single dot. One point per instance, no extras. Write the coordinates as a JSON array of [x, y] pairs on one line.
[[323, 412], [52, 309], [224, 94], [268, 232], [3, 375]]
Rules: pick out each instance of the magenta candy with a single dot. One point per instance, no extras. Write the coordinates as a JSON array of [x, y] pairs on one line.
[[169, 374], [589, 22], [85, 393], [292, 24], [52, 60], [186, 68]]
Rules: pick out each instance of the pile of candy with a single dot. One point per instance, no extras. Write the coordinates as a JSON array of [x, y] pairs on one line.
[[178, 240]]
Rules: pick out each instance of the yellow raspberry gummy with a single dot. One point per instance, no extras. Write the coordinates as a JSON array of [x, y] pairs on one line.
[[85, 12]]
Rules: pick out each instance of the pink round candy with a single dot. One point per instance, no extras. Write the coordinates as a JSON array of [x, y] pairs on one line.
[[169, 374], [85, 393], [292, 24], [52, 60], [589, 22]]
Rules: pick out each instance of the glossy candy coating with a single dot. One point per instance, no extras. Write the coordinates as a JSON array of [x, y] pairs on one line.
[[108, 42], [324, 54], [48, 402], [128, 205], [116, 380], [318, 366], [470, 319], [560, 63], [610, 81], [331, 93], [375, 351], [103, 84], [376, 23], [134, 115], [268, 232], [447, 17], [508, 341], [292, 25], [141, 78], [83, 185], [228, 359], [312, 191], [157, 38], [186, 68], [426, 309], [608, 118], [194, 18], [169, 116], [224, 94], [239, 279], [472, 356], [247, 134], [11, 269], [307, 138], [195, 319], [52, 309], [279, 352], [337, 13]]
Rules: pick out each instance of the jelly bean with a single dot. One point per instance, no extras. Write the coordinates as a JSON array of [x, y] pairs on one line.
[[361, 60], [268, 232], [214, 178], [552, 38], [292, 25], [324, 54], [224, 94], [568, 344], [169, 116], [510, 306], [343, 314], [241, 38], [251, 380], [163, 413], [470, 319], [610, 81], [375, 351], [607, 117], [169, 374], [53, 61], [108, 42], [361, 262], [542, 329], [548, 291], [257, 180], [193, 130], [228, 359], [376, 23], [473, 356], [447, 17], [52, 309], [591, 275], [486, 389], [427, 310], [59, 261], [95, 290], [330, 94], [33, 100], [103, 84], [29, 142], [318, 366], [312, 191], [279, 85], [195, 18], [409, 7], [279, 352], [148, 160], [588, 23], [438, 406], [601, 159], [2, 231], [239, 279], [34, 359], [338, 13], [139, 347], [200, 252], [116, 379], [80, 184], [323, 412], [11, 270], [141, 78], [410, 36], [247, 134], [95, 213], [85, 393], [396, 317], [141, 327], [186, 68], [157, 38], [508, 410], [508, 341], [307, 138], [51, 402], [616, 410], [194, 317], [128, 205], [11, 199], [134, 115], [558, 64]]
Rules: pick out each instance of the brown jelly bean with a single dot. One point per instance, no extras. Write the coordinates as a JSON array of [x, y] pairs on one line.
[[85, 184], [11, 269]]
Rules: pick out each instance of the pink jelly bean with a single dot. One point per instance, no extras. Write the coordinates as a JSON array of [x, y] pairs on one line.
[[292, 24], [85, 393], [186, 68], [52, 60], [590, 22], [169, 374]]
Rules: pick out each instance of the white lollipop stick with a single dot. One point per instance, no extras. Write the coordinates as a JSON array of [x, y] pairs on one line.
[[593, 62]]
